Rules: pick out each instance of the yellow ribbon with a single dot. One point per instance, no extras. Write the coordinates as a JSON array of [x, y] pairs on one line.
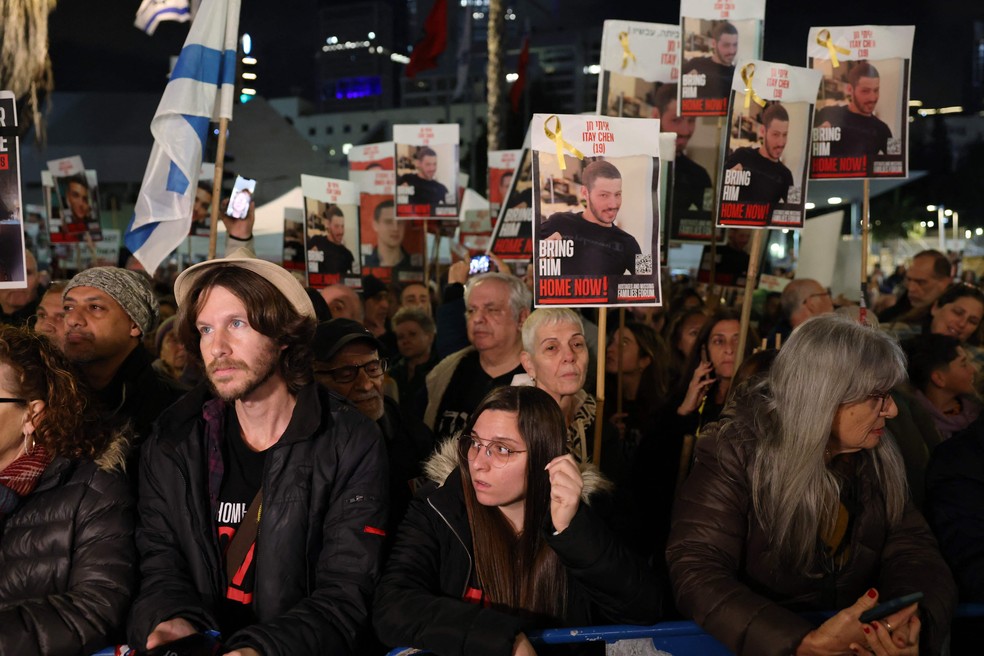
[[747, 73], [824, 39], [555, 136], [623, 38]]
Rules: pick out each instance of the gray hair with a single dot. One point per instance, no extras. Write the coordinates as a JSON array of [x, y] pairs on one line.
[[520, 297], [547, 316], [827, 362], [421, 318]]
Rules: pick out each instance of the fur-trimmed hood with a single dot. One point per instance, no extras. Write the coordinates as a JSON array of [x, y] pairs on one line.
[[444, 460], [113, 457]]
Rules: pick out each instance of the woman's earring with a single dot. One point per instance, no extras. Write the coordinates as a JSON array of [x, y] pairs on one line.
[[28, 443]]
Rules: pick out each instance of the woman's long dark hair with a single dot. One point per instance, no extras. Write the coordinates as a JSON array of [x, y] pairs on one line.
[[704, 337], [520, 572], [655, 380]]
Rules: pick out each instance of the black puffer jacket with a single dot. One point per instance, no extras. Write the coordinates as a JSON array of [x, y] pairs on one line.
[[420, 600], [317, 550], [723, 572], [67, 559]]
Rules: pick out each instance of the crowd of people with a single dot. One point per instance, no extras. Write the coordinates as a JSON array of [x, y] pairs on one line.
[[234, 457]]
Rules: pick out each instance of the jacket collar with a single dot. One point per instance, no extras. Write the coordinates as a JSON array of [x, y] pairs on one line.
[[309, 413]]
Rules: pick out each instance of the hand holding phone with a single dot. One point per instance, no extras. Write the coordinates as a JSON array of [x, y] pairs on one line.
[[242, 196], [885, 609]]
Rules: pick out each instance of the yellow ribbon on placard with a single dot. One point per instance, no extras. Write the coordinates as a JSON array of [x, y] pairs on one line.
[[824, 39], [747, 73], [556, 136], [623, 38]]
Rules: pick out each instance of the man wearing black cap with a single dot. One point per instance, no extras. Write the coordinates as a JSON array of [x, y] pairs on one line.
[[258, 448], [347, 361]]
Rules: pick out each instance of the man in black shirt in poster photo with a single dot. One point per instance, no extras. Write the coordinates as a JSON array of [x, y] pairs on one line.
[[426, 190], [860, 131], [719, 68], [691, 182], [335, 257], [769, 179], [600, 246]]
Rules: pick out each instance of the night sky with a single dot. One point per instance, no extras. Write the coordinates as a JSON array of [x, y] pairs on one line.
[[100, 50]]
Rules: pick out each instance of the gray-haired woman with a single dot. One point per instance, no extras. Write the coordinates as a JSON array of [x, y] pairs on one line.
[[798, 502]]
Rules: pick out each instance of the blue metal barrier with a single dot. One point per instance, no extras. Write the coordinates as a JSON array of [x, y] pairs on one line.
[[677, 638]]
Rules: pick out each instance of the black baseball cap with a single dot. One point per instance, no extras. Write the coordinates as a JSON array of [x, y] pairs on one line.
[[332, 335]]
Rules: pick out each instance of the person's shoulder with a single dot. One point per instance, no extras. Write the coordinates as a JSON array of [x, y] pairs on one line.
[[563, 218], [831, 112]]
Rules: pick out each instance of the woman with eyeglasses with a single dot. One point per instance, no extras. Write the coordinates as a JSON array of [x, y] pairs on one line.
[[67, 560], [508, 542], [798, 503]]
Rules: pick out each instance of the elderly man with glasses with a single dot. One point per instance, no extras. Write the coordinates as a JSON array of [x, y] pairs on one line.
[[347, 362]]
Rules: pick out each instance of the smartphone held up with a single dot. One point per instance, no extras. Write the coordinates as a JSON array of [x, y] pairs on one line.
[[242, 196]]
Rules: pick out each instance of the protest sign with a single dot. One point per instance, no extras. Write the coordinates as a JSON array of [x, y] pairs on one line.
[[636, 60], [767, 146], [715, 34], [426, 170], [861, 126], [331, 231], [596, 227], [75, 215]]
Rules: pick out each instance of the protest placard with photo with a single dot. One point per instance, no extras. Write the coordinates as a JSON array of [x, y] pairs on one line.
[[391, 250], [13, 266], [596, 227], [331, 231], [294, 256], [502, 167], [696, 163], [426, 170], [512, 235], [201, 216], [767, 147], [861, 126], [75, 217], [475, 227], [714, 36], [636, 59]]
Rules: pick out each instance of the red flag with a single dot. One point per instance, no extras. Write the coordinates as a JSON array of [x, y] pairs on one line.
[[516, 92], [429, 48]]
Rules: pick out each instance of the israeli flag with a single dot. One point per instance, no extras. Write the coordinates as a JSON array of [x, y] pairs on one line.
[[200, 90], [153, 12]]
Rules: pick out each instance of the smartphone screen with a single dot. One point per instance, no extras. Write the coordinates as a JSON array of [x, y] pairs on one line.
[[479, 264], [242, 195]]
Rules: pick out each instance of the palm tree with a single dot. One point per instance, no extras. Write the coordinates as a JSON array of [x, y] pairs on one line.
[[495, 84], [25, 67]]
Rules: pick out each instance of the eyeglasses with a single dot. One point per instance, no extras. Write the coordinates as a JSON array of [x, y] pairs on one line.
[[348, 373], [882, 399], [470, 447], [8, 400]]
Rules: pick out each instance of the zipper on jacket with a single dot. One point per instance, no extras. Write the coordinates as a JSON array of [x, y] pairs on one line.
[[471, 564]]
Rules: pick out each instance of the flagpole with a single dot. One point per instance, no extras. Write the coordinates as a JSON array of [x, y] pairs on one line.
[[217, 187]]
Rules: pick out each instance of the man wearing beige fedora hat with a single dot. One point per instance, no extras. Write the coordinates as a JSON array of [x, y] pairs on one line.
[[258, 447]]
